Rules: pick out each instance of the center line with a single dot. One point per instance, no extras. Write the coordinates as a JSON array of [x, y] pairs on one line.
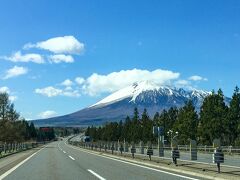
[[71, 157], [95, 174]]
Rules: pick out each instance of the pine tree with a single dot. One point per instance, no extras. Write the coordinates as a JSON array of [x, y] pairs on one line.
[[186, 124], [135, 126], [163, 120], [156, 118], [172, 117], [147, 125], [234, 116], [120, 131], [32, 129], [87, 133], [213, 119], [126, 129]]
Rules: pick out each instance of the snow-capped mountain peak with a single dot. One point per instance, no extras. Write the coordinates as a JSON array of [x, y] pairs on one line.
[[140, 91]]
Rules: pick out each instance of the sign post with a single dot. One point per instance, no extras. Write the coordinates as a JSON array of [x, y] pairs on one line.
[[159, 132]]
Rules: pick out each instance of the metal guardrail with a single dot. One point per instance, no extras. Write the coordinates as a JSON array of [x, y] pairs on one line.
[[196, 156], [10, 148]]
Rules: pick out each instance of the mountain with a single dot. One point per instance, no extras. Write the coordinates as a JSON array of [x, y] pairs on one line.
[[118, 105]]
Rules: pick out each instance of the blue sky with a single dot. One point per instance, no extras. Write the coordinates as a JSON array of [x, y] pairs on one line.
[[100, 43]]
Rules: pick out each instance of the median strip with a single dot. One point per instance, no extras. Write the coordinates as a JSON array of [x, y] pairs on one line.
[[95, 174]]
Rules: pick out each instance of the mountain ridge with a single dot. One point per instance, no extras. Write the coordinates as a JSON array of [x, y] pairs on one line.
[[121, 103]]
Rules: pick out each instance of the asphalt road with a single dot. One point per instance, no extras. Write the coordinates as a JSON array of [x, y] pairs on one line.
[[61, 161]]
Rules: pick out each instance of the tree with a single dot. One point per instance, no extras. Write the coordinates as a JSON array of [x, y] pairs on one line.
[[234, 117], [126, 129], [172, 118], [87, 133], [32, 131], [156, 118], [213, 119], [163, 119], [147, 125], [135, 127], [186, 124], [120, 131]]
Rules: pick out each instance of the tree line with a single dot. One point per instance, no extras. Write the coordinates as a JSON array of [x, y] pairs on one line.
[[216, 119], [14, 128]]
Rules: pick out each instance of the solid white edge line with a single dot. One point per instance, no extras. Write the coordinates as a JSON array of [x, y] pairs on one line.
[[71, 158], [95, 174], [158, 170], [18, 165]]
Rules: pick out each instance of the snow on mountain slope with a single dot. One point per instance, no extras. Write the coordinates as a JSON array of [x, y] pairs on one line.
[[135, 92]]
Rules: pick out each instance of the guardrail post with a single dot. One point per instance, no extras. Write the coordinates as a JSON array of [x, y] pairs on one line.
[[1, 150], [112, 147], [116, 146], [100, 146], [149, 150], [193, 149], [230, 149], [218, 156], [141, 144], [121, 148], [125, 147], [105, 147], [133, 149], [175, 152], [161, 149], [4, 147]]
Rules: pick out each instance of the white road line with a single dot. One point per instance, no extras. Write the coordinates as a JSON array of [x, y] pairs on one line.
[[95, 174], [64, 152], [18, 165], [145, 167], [59, 146], [71, 158]]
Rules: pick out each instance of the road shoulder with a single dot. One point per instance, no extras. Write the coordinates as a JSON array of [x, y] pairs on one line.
[[8, 162]]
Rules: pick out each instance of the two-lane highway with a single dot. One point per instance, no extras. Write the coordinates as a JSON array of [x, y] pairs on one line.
[[61, 161]]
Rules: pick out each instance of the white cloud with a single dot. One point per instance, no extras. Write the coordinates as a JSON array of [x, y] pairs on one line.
[[74, 93], [197, 78], [67, 82], [15, 71], [79, 80], [47, 114], [65, 44], [19, 57], [58, 58], [97, 84], [52, 92], [4, 89], [183, 84], [49, 91]]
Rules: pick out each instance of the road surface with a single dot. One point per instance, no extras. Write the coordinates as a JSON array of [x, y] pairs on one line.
[[60, 161]]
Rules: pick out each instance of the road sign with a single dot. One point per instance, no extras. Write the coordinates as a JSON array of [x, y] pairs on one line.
[[158, 131]]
